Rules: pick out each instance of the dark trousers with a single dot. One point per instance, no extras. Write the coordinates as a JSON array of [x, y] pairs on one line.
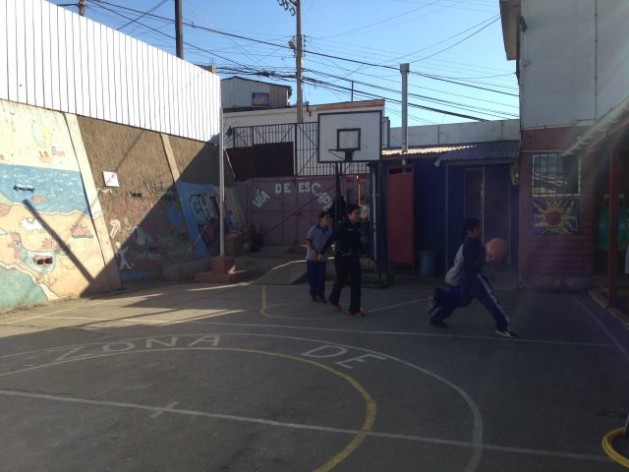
[[471, 287], [316, 277], [347, 267]]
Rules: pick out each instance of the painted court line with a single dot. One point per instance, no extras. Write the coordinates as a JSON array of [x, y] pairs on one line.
[[604, 328], [86, 305], [156, 411], [194, 321], [170, 406]]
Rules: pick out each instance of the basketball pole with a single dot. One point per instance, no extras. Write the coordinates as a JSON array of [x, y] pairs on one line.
[[337, 191]]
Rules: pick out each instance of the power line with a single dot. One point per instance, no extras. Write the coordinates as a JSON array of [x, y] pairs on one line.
[[135, 20], [333, 87], [330, 56]]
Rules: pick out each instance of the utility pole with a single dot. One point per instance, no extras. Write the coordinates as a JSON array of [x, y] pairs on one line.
[[294, 8], [299, 64], [404, 70], [82, 7], [179, 28]]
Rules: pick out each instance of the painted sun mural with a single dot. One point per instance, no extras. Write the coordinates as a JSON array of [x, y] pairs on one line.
[[555, 216]]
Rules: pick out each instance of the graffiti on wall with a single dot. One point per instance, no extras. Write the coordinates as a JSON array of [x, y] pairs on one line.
[[200, 204], [146, 233], [48, 248], [201, 213], [315, 189]]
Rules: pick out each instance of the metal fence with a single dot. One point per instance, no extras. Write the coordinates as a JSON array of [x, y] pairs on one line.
[[305, 139]]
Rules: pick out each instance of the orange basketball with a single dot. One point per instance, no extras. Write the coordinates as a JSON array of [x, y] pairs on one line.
[[496, 249]]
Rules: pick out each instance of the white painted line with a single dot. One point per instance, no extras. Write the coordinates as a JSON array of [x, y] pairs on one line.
[[170, 406], [262, 421], [302, 328], [82, 306], [219, 287], [21, 320], [399, 333], [612, 338]]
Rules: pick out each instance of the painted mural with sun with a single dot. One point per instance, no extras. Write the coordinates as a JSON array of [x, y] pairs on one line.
[[555, 216]]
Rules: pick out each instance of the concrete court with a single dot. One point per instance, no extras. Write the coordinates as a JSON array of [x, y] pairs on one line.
[[258, 378]]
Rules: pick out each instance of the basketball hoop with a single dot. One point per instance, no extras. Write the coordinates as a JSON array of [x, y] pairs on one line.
[[343, 155]]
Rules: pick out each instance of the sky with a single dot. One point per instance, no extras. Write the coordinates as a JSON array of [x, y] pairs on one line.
[[353, 49]]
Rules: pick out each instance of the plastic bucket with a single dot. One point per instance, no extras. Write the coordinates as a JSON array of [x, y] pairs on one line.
[[427, 264]]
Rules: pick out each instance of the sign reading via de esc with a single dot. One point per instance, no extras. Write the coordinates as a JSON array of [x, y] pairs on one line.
[[294, 187]]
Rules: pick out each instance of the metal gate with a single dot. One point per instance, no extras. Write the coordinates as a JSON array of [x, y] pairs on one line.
[[284, 208]]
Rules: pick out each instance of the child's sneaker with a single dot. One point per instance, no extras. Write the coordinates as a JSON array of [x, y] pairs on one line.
[[507, 333], [438, 323], [335, 306], [358, 313], [432, 299]]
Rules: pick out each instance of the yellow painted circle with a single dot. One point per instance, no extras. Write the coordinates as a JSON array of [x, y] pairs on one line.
[[370, 404], [609, 449]]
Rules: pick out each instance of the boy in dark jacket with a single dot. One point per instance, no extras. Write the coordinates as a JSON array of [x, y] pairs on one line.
[[348, 249], [473, 284]]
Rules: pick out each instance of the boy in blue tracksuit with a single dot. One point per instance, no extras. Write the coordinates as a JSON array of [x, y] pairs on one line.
[[317, 236], [473, 284]]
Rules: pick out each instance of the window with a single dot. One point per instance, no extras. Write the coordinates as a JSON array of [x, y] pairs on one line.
[[259, 99], [556, 176]]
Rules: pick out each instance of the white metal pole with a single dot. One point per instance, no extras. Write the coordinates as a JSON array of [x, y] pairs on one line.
[[404, 69], [221, 197]]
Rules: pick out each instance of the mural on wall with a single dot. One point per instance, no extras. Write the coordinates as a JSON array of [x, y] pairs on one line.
[[201, 212], [200, 204], [555, 216], [47, 245], [146, 233], [235, 215]]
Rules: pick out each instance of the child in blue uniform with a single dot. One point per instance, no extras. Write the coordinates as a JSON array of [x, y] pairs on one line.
[[317, 236], [473, 284]]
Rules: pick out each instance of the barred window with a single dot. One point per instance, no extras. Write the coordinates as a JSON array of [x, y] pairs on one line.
[[554, 175]]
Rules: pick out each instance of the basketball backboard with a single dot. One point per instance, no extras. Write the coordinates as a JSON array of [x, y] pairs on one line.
[[350, 136]]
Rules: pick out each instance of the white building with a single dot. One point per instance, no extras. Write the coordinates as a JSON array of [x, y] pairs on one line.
[[238, 93], [573, 71]]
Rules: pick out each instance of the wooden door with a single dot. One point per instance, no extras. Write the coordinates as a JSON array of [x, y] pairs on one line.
[[400, 217]]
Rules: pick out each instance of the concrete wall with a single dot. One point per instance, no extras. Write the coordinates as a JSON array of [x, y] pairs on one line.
[[573, 62], [64, 232], [457, 133], [144, 216], [49, 246]]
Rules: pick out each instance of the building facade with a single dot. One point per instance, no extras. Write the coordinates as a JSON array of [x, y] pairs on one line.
[[572, 68]]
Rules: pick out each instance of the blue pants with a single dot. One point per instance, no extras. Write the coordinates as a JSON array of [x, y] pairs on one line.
[[316, 277], [471, 287]]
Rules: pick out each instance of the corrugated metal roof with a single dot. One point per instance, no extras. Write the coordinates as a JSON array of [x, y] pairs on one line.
[[422, 150], [601, 128], [460, 153], [482, 153]]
